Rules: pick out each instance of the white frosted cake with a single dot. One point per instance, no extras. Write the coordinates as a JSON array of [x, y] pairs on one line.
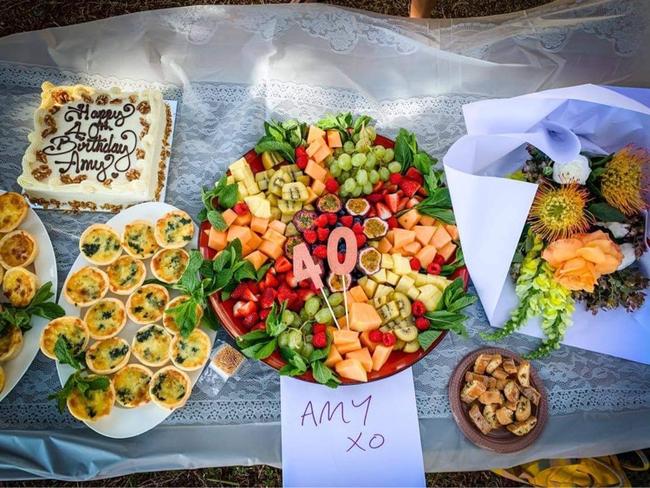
[[96, 149]]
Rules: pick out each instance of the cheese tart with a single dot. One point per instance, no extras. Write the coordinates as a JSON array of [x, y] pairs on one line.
[[19, 286], [100, 244], [170, 388], [168, 265], [92, 404], [138, 239], [125, 275], [73, 330], [192, 352], [106, 318], [86, 286], [151, 345], [147, 304], [11, 342], [132, 385], [169, 321], [108, 356], [13, 210], [18, 248], [174, 229]]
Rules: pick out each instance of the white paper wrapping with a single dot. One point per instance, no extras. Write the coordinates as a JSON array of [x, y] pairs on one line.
[[491, 210]]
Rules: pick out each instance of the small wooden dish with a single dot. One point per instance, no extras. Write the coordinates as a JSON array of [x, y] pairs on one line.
[[500, 440]]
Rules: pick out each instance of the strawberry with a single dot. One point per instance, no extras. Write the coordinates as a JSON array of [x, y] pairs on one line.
[[238, 292], [375, 335], [321, 220], [409, 187], [392, 222], [388, 339], [361, 239], [284, 293], [250, 320], [282, 265], [320, 251], [241, 208], [434, 268], [372, 212], [253, 286], [301, 151], [461, 273], [414, 174], [305, 294], [331, 185], [264, 313], [259, 326], [302, 161], [291, 280], [412, 202], [249, 295], [318, 328], [378, 186], [319, 341], [323, 234], [295, 303], [347, 220], [418, 309], [331, 218], [270, 281], [415, 264], [395, 178], [375, 197], [383, 212], [305, 284], [422, 323], [402, 203], [310, 236], [243, 308], [392, 200], [357, 228], [268, 297]]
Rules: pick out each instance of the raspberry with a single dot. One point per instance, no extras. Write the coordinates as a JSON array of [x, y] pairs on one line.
[[318, 328], [320, 251], [392, 222], [418, 309], [240, 208], [323, 234], [310, 236], [375, 335], [341, 257], [259, 326], [357, 228], [331, 185], [300, 151], [388, 339], [421, 323], [331, 218], [439, 259], [434, 268], [415, 264], [319, 341], [395, 178], [375, 197], [347, 220], [321, 220], [361, 239], [302, 161]]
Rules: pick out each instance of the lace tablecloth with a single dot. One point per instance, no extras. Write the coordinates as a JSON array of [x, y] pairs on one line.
[[220, 116]]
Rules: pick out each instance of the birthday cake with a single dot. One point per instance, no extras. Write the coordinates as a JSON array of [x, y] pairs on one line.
[[96, 149]]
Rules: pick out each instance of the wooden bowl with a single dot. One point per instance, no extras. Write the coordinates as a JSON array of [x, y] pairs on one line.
[[500, 440], [398, 360]]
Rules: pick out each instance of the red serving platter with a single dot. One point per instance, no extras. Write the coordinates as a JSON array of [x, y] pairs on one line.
[[397, 361]]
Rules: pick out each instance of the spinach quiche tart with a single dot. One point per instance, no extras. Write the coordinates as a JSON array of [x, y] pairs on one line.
[[147, 304], [73, 330], [108, 356], [86, 286], [138, 239], [174, 230], [168, 265], [18, 248], [91, 405], [19, 286], [125, 275], [170, 388], [106, 318], [13, 210], [11, 342], [100, 244], [132, 385], [192, 352], [151, 345], [168, 319]]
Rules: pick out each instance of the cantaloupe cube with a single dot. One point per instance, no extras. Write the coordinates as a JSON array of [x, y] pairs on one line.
[[401, 237], [344, 336], [362, 355], [380, 356], [318, 187], [217, 239], [349, 346], [314, 146], [334, 138], [364, 337], [440, 238], [356, 294], [239, 232], [384, 246], [271, 249], [426, 220], [351, 369], [259, 225], [322, 153], [254, 241], [278, 226], [229, 216], [426, 255], [244, 219], [390, 236], [257, 259], [343, 322], [409, 219], [274, 236], [333, 357], [314, 133], [363, 316], [424, 233], [316, 171], [413, 248], [311, 196], [452, 230], [447, 250]]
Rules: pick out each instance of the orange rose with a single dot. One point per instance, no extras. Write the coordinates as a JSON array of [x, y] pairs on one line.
[[580, 260]]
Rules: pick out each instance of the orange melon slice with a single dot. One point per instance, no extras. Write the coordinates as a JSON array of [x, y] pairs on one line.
[[259, 224], [447, 250], [426, 255], [344, 336], [362, 355], [380, 356], [314, 133], [333, 356], [409, 219], [334, 138], [278, 226], [363, 316], [229, 216], [401, 237], [440, 238], [217, 239], [351, 369], [257, 259], [424, 233], [349, 346]]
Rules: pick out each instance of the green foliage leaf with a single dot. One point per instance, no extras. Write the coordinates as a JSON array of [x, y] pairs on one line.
[[324, 375], [427, 338], [606, 213], [274, 324]]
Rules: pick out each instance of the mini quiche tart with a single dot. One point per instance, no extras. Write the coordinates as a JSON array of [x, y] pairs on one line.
[[91, 405], [125, 275], [73, 330], [106, 318], [192, 352], [18, 248], [138, 239], [107, 356], [86, 286], [174, 230], [132, 385], [100, 244], [170, 388], [168, 319], [151, 345], [168, 265], [13, 210], [147, 304], [11, 342], [19, 286]]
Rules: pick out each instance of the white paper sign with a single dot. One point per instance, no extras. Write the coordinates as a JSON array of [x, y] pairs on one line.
[[361, 435]]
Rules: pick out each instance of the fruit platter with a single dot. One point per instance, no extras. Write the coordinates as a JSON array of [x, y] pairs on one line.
[[300, 184]]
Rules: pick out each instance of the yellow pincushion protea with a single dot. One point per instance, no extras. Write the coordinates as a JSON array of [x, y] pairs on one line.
[[559, 212], [621, 182]]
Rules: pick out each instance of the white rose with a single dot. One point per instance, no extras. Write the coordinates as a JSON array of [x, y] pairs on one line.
[[628, 255], [576, 171], [617, 229]]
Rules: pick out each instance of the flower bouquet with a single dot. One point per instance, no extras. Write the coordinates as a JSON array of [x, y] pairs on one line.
[[569, 217]]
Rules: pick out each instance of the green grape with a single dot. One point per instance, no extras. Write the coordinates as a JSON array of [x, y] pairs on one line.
[[343, 193], [294, 339], [335, 169], [335, 298], [303, 314], [371, 160], [329, 159], [283, 339], [339, 311], [345, 161], [355, 138], [362, 147], [379, 151], [306, 349], [312, 306], [349, 185], [362, 177], [358, 160], [373, 177], [287, 317], [367, 188], [338, 151], [323, 316], [348, 147], [384, 174], [394, 167], [356, 192], [388, 155]]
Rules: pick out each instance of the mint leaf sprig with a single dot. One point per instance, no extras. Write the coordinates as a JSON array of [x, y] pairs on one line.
[[226, 196], [41, 306]]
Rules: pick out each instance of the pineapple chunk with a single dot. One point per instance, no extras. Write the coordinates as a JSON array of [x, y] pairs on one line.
[[419, 279], [439, 281], [430, 296], [239, 169], [404, 284], [413, 293], [379, 276], [387, 261], [243, 191], [392, 278], [259, 206], [401, 265], [368, 286]]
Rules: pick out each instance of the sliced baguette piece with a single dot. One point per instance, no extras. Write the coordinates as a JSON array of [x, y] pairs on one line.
[[478, 419], [523, 427]]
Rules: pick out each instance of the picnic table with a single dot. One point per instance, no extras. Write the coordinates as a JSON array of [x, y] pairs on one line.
[[230, 68]]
